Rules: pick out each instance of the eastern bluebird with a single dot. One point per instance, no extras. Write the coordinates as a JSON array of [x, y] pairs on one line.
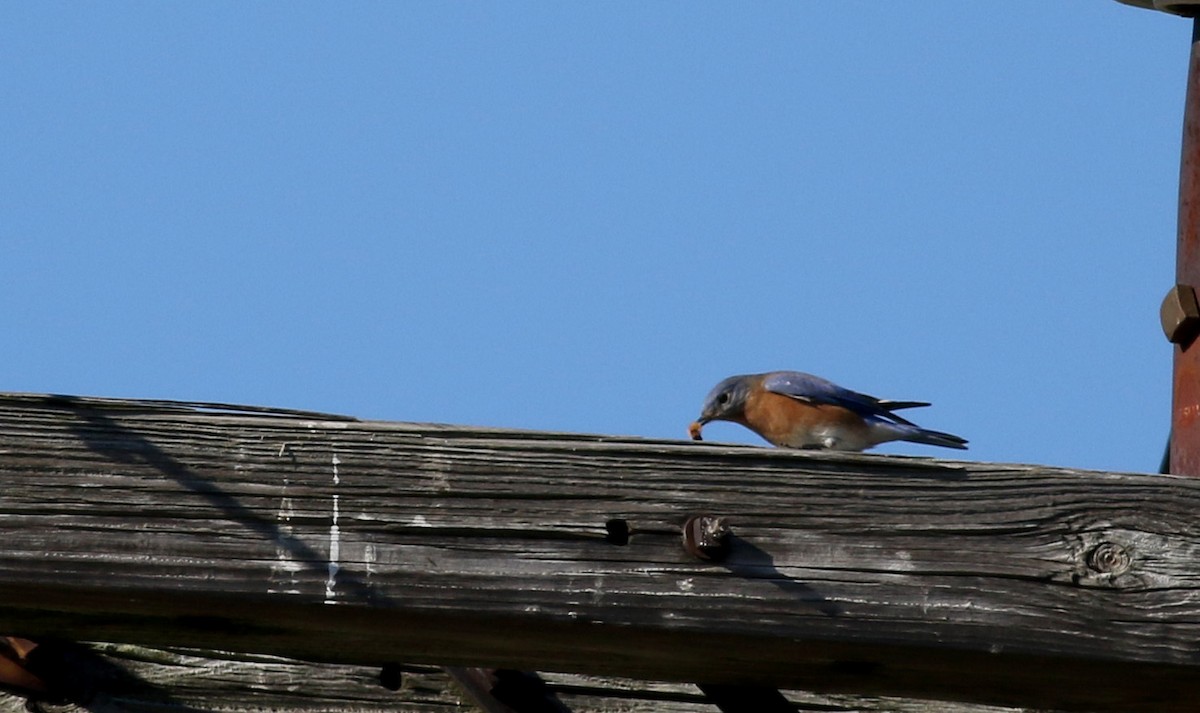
[[795, 410]]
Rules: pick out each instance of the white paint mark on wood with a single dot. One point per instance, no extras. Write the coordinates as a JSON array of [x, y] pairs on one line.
[[284, 569], [440, 466], [369, 558], [335, 544], [903, 561]]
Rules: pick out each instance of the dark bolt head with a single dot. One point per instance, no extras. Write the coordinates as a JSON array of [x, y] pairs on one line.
[[1180, 315], [707, 537]]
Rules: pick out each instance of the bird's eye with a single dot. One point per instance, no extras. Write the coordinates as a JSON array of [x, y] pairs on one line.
[[723, 398]]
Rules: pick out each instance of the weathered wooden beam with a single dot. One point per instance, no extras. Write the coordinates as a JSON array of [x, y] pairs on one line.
[[133, 678], [366, 542]]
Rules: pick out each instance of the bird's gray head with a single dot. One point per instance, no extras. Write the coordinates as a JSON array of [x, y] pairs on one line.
[[727, 400]]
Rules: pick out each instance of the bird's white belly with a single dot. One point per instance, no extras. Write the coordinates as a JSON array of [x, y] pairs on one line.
[[831, 438]]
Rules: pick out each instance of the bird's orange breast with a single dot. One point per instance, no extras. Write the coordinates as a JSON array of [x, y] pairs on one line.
[[791, 423]]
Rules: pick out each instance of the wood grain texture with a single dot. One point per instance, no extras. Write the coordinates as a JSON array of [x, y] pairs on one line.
[[170, 681], [358, 542]]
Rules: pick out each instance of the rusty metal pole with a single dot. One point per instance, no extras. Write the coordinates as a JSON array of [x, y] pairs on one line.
[[1179, 315]]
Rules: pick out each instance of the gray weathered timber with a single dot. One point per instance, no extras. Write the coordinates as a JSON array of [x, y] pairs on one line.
[[359, 542], [170, 681]]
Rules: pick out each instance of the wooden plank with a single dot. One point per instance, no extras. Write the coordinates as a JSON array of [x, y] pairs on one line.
[[132, 678], [361, 542]]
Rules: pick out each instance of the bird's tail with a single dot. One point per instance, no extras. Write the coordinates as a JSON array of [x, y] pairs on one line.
[[935, 438], [897, 405], [892, 406]]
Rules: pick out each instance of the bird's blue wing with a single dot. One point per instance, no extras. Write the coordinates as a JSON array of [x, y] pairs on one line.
[[814, 389]]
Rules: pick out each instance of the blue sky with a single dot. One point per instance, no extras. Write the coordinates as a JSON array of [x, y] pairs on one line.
[[580, 216]]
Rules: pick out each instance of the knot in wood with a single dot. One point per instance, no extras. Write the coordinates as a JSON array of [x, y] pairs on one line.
[[1109, 558]]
